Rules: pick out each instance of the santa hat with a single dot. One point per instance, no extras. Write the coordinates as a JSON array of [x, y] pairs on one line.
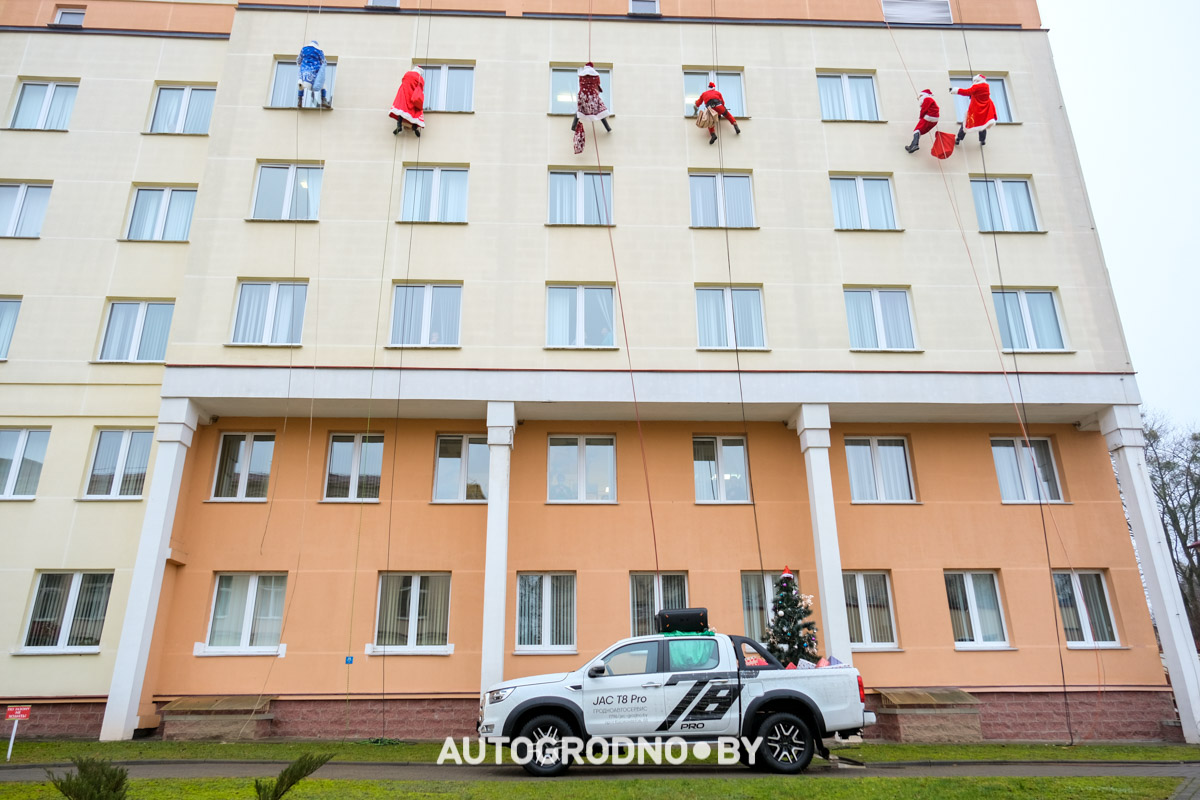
[[417, 69], [979, 79], [787, 573], [712, 85], [590, 64], [925, 93], [314, 43]]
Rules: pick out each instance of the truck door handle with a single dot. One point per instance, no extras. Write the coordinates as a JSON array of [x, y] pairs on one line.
[[651, 685], [719, 681]]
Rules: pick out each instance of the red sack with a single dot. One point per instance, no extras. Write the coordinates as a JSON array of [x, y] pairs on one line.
[[943, 145]]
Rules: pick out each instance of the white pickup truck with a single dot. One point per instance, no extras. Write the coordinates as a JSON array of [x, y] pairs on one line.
[[696, 687]]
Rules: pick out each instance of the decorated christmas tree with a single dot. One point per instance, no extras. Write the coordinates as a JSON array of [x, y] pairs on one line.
[[791, 634]]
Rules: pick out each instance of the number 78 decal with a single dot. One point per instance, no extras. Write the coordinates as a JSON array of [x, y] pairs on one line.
[[712, 706]]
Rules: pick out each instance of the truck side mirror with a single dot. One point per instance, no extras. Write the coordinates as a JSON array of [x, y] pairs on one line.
[[596, 671]]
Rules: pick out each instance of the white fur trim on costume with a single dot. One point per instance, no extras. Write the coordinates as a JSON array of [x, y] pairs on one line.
[[983, 127], [417, 69], [420, 123], [928, 118], [595, 117], [313, 42], [589, 71], [924, 94]]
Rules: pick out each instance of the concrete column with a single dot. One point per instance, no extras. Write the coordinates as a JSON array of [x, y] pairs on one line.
[[1122, 428], [177, 422], [501, 420], [812, 425]]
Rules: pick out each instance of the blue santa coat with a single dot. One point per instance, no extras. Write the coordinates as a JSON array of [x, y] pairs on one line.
[[312, 67]]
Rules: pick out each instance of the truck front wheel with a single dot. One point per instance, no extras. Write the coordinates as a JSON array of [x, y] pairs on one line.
[[542, 746], [787, 744]]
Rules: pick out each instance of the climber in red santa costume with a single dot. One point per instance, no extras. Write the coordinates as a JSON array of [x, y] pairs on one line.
[[714, 100], [409, 105], [927, 120], [981, 112]]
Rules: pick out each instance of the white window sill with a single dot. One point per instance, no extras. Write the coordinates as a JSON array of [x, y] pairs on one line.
[[350, 500], [724, 503], [887, 350], [1034, 503], [886, 502], [866, 648], [279, 345], [422, 347], [723, 227], [870, 230], [442, 110], [236, 500], [573, 347], [859, 121], [20, 237], [545, 651], [967, 648], [733, 349], [301, 108], [429, 222], [1038, 352], [55, 651], [201, 649], [1096, 646], [125, 361], [1012, 122], [155, 241], [611, 114], [739, 117], [458, 502], [1017, 233], [170, 133], [17, 498], [100, 499], [438, 650], [579, 225], [260, 219], [581, 502]]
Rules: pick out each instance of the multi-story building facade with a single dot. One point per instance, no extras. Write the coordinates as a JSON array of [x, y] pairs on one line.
[[351, 424]]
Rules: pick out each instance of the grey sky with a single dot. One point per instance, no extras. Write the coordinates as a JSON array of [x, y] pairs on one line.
[[1126, 72]]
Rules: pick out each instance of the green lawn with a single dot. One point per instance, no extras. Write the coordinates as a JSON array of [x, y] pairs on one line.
[[59, 752], [666, 789]]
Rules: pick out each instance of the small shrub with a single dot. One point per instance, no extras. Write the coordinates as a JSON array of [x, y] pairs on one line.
[[94, 779], [293, 773]]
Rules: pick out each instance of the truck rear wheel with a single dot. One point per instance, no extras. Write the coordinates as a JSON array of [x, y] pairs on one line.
[[787, 744], [542, 747]]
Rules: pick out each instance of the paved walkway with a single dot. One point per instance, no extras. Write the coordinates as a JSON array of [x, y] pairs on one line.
[[433, 772]]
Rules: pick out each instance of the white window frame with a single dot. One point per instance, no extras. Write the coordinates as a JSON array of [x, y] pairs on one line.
[[547, 618], [135, 339], [992, 80], [6, 344], [243, 649], [355, 467], [1005, 217], [435, 194], [878, 473], [730, 330], [8, 227], [863, 215], [977, 642], [655, 12], [244, 478], [769, 581], [711, 77], [59, 12], [722, 222], [6, 490], [294, 61], [414, 604], [846, 96], [581, 197], [580, 317], [160, 224], [268, 314], [720, 451], [1027, 320], [880, 333], [184, 104], [581, 468], [114, 493], [439, 103], [288, 190], [68, 622], [1085, 619], [1030, 483], [426, 315], [47, 101], [658, 595], [863, 619], [605, 80], [463, 467]]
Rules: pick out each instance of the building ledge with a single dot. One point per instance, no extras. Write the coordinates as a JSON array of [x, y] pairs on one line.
[[156, 241], [200, 649], [170, 133], [439, 650]]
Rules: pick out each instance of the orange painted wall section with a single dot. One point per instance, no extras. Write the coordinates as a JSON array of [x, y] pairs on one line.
[[125, 15]]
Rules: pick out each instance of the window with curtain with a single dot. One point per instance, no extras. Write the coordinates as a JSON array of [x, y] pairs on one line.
[[1085, 607], [136, 331], [288, 191], [721, 310], [183, 109], [879, 470], [413, 612], [862, 203], [847, 97], [650, 593], [269, 313], [729, 84], [999, 90], [643, 6], [23, 208], [1028, 319], [1003, 204], [546, 612], [580, 198], [9, 308], [244, 466], [426, 315], [355, 467], [581, 469], [976, 618], [869, 609], [1026, 473], [721, 200], [119, 464], [434, 194], [285, 84], [449, 87], [879, 319], [44, 105], [758, 600], [247, 613], [68, 611], [461, 472], [69, 16], [22, 455], [564, 89], [579, 316], [917, 12], [722, 474], [164, 214]]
